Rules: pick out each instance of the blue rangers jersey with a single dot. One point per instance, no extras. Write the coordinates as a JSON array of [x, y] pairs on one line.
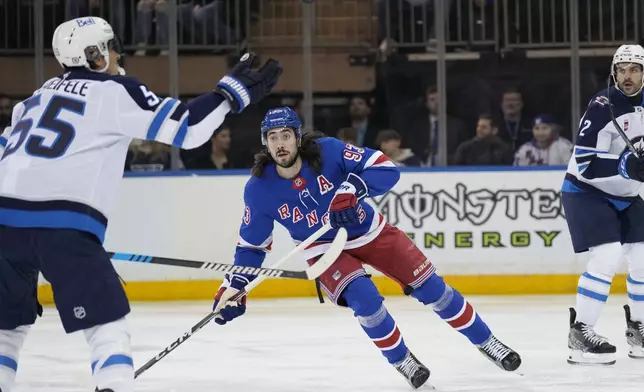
[[301, 204], [593, 165], [66, 146]]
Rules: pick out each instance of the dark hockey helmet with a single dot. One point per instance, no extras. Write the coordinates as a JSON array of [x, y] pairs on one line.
[[283, 117]]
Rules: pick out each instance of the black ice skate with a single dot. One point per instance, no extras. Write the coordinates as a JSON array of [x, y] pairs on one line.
[[500, 354], [415, 372], [586, 346], [634, 335]]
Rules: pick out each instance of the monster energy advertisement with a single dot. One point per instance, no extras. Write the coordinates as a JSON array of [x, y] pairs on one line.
[[493, 213]]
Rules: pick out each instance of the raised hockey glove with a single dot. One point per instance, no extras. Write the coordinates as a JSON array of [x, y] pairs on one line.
[[343, 210], [631, 167], [245, 86], [229, 310]]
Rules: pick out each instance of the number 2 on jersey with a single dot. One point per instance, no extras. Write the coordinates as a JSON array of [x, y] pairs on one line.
[[586, 125], [49, 121]]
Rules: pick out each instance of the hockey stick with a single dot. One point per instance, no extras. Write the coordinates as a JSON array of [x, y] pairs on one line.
[[322, 265], [621, 132], [307, 274]]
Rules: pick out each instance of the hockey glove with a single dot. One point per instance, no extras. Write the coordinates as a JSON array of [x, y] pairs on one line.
[[245, 86], [631, 167], [229, 310], [343, 211]]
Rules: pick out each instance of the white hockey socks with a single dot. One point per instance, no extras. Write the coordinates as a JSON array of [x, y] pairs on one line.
[[10, 344], [594, 284], [112, 365], [635, 288], [635, 280]]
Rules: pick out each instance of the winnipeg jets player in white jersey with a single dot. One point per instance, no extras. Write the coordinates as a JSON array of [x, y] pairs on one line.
[[604, 211], [63, 161]]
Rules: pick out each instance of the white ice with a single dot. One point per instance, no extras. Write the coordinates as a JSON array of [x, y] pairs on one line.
[[300, 345]]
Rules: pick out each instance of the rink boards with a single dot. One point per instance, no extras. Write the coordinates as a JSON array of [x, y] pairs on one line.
[[489, 231]]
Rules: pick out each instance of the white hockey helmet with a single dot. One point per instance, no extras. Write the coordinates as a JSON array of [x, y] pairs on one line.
[[80, 42], [633, 54]]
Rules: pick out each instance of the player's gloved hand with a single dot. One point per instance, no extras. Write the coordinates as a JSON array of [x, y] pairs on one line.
[[245, 86], [343, 210], [229, 310], [630, 166]]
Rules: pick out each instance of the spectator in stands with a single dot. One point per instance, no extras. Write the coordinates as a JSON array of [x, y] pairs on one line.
[[211, 156], [6, 109], [112, 10], [359, 113], [202, 22], [416, 25], [149, 156], [515, 126], [205, 21], [146, 10], [546, 148], [348, 135], [388, 142], [421, 131], [486, 148]]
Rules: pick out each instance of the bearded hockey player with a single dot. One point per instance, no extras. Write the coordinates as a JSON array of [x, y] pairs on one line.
[[303, 182], [59, 174], [604, 211]]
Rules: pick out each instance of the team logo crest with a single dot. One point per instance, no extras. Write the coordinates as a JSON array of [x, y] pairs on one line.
[[638, 143], [79, 312], [601, 100], [299, 183]]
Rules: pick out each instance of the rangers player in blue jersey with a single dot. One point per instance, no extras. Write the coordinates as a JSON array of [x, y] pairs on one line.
[[59, 175], [303, 182], [604, 210]]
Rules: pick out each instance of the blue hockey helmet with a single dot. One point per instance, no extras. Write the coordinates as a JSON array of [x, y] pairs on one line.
[[283, 117]]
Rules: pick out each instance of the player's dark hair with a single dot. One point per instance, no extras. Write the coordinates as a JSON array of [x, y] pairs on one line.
[[309, 151]]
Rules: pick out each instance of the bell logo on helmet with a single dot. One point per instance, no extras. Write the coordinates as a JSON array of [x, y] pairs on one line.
[[85, 22], [245, 57]]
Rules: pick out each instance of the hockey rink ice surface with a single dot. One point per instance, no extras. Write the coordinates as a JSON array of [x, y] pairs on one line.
[[301, 345]]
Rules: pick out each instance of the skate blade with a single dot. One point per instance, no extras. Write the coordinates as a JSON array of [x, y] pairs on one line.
[[427, 387], [577, 357]]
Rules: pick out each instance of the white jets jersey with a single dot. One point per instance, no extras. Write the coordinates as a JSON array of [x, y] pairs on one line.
[[66, 146], [593, 166]]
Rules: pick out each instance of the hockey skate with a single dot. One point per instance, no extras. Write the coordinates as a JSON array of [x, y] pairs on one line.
[[500, 354], [414, 372], [586, 346], [634, 335]]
